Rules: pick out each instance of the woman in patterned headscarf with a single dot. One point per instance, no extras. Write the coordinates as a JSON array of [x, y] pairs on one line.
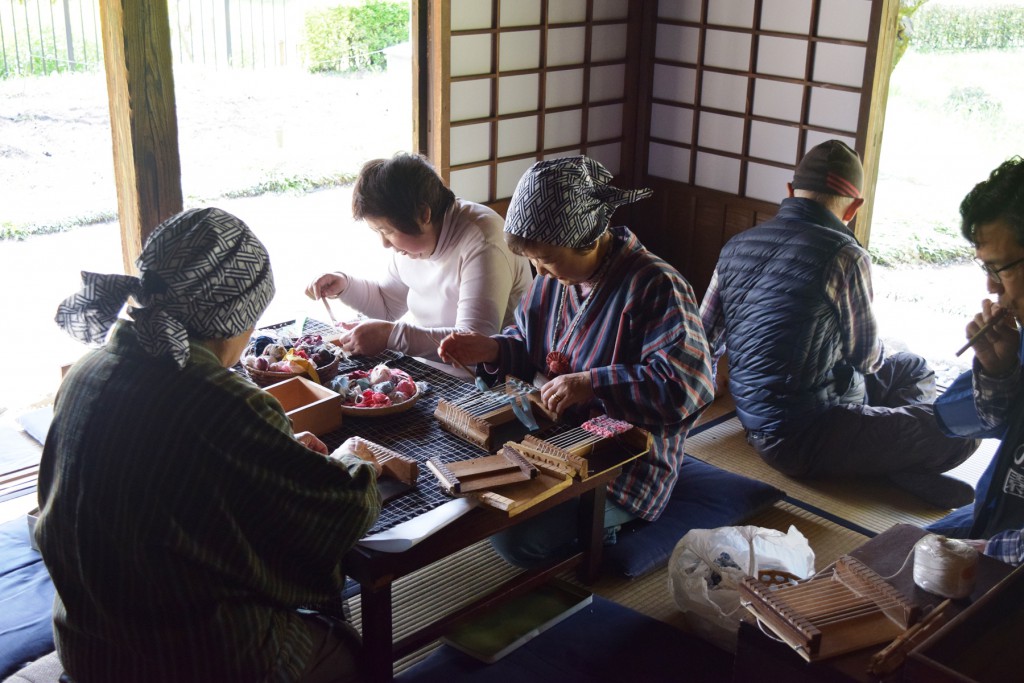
[[615, 330], [181, 520]]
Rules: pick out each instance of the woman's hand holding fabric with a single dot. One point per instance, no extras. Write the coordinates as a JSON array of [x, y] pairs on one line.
[[348, 447], [566, 391], [310, 441], [327, 285], [365, 337], [468, 348]]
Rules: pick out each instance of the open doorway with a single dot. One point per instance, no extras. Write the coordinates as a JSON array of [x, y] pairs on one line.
[[278, 105], [952, 116]]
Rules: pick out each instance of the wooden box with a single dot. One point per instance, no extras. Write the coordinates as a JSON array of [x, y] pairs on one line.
[[310, 406], [979, 645]]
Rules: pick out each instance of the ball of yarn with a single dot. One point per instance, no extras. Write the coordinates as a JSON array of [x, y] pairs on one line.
[[945, 566]]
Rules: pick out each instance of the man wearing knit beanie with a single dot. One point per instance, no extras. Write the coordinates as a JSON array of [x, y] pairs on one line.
[[790, 300]]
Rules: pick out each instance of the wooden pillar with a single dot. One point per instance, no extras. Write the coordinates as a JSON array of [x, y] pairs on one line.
[[143, 118], [874, 97]]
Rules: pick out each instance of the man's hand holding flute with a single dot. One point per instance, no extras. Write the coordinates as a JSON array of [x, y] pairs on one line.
[[995, 338]]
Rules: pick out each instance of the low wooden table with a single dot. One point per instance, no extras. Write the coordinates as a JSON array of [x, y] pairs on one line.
[[376, 571], [760, 658]]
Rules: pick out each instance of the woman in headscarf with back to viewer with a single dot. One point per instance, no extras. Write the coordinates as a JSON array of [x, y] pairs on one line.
[[182, 521], [611, 327], [450, 269]]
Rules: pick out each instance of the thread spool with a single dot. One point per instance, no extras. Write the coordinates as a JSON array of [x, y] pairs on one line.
[[945, 566]]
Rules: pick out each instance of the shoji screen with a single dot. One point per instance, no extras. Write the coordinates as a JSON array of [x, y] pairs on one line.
[[739, 91], [742, 88], [518, 81]]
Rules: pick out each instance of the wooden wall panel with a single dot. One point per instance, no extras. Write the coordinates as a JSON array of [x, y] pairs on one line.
[[688, 225]]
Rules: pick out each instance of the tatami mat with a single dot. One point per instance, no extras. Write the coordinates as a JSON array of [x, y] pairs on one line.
[[869, 505]]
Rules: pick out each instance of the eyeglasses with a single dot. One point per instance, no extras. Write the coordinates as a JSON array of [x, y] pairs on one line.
[[993, 272]]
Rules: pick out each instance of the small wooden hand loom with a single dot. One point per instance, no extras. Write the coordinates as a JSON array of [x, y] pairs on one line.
[[844, 610], [395, 466], [489, 471], [476, 418]]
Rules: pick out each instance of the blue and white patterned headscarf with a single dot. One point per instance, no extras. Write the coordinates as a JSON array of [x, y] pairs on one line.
[[202, 273], [566, 202]]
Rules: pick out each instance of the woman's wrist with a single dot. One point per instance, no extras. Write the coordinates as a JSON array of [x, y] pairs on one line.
[[344, 284]]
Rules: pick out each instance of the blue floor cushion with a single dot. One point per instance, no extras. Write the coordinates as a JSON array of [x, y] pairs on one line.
[[706, 497], [603, 642], [26, 600]]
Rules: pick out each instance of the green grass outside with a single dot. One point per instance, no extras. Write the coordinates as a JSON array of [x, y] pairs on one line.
[[950, 120]]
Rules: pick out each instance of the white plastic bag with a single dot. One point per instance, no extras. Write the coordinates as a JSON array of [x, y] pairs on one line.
[[707, 566]]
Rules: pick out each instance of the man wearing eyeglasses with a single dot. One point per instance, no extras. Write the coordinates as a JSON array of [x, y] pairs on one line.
[[988, 400]]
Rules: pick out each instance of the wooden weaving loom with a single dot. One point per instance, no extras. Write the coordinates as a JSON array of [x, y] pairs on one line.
[[827, 615], [476, 418], [398, 472], [523, 474]]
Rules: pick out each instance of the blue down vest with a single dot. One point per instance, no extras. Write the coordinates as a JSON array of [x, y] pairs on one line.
[[781, 331]]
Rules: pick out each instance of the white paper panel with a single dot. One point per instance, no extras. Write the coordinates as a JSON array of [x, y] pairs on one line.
[[727, 49], [777, 100], [787, 16], [669, 162], [681, 10], [607, 83], [517, 136], [841, 64], [774, 142], [815, 138], [519, 13], [834, 109], [767, 183], [519, 50], [471, 55], [469, 14], [604, 123], [718, 173], [518, 93], [782, 56], [564, 88], [671, 123], [566, 46], [566, 11], [471, 183], [675, 83], [676, 43], [608, 155], [563, 129], [608, 43], [610, 9], [470, 143], [509, 173], [563, 155], [724, 91], [471, 99], [847, 19], [731, 13], [720, 132]]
